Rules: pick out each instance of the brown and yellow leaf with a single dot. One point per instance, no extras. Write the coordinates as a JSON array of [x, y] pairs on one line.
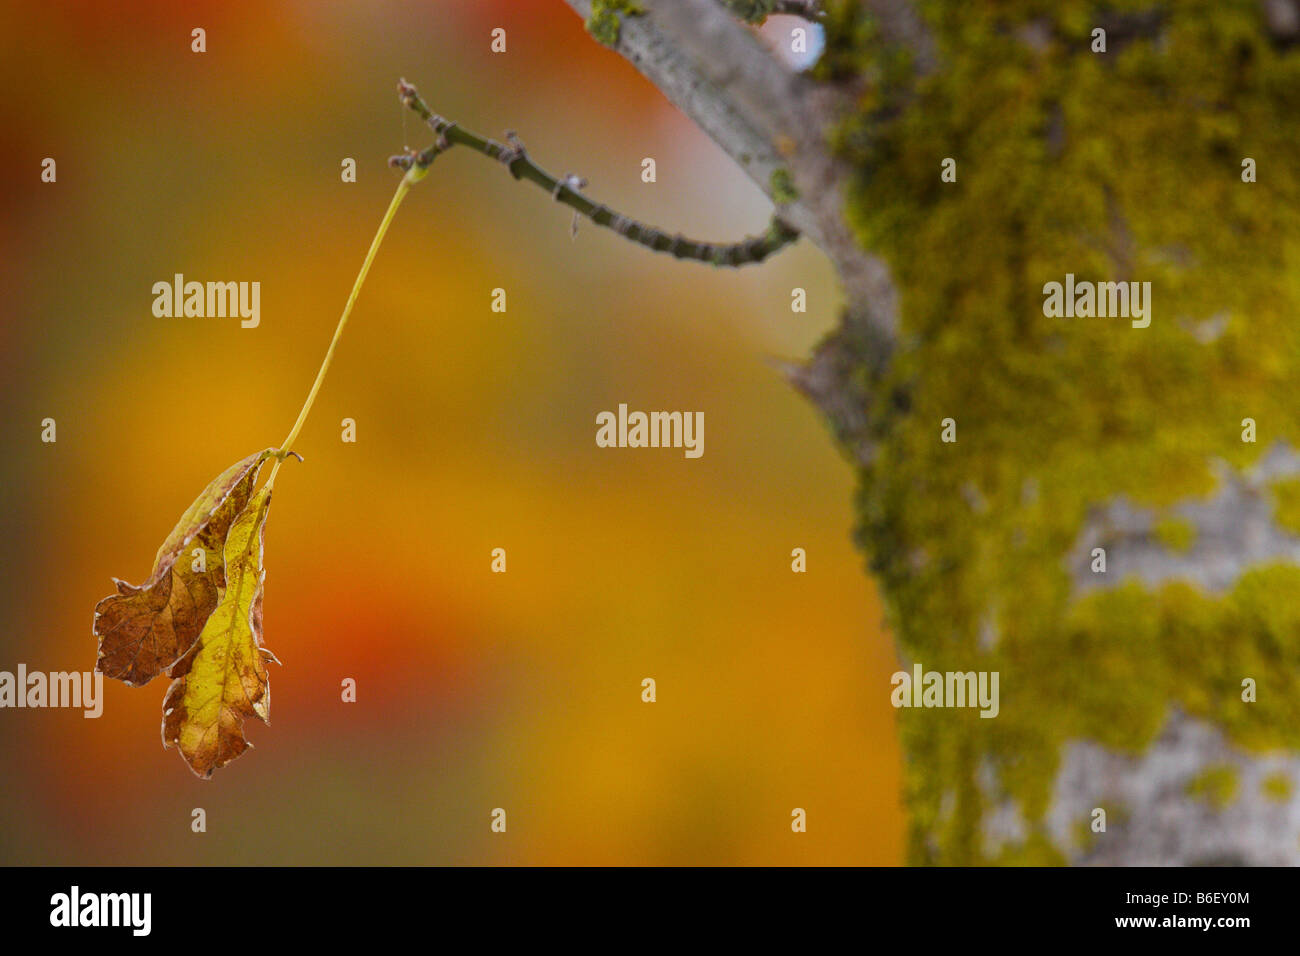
[[143, 630], [223, 679]]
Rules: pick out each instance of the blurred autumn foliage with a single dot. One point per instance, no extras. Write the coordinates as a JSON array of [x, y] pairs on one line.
[[475, 431]]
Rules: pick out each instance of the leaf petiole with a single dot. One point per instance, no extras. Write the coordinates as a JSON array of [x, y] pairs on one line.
[[413, 175]]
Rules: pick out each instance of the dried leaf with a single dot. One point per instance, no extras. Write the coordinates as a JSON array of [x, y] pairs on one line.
[[223, 679], [144, 630]]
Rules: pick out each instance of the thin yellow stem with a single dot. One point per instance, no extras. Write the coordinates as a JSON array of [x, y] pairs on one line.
[[413, 176]]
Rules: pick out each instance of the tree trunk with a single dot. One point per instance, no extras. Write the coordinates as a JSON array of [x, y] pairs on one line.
[[1114, 525]]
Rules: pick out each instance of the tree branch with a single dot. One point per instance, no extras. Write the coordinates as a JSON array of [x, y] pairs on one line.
[[762, 90], [639, 39], [774, 124], [565, 190], [795, 115], [769, 120]]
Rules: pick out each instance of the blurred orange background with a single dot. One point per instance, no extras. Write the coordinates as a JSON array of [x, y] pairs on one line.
[[475, 430]]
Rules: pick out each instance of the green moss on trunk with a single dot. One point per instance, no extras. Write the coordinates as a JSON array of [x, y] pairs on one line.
[[1118, 166], [606, 19]]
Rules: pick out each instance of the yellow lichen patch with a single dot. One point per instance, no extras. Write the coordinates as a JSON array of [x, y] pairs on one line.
[[1176, 534], [606, 19], [1217, 786], [1286, 503], [1277, 787]]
